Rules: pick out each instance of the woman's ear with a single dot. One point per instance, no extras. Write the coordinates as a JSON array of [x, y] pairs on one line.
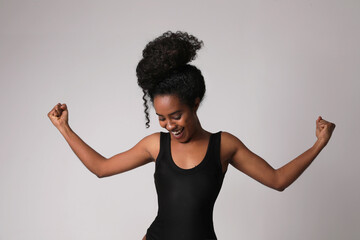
[[196, 104]]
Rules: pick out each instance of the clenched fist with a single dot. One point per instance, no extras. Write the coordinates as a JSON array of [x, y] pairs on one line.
[[59, 115], [324, 130]]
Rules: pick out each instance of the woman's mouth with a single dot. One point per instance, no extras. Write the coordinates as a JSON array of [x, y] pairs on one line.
[[178, 134]]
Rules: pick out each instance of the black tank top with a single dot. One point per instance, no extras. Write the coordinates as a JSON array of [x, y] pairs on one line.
[[186, 197]]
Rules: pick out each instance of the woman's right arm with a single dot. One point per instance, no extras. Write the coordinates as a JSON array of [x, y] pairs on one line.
[[96, 163], [88, 156]]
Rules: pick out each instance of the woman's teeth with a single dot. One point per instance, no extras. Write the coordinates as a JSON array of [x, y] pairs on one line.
[[177, 132]]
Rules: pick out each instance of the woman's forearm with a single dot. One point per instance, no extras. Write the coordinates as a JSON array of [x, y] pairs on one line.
[[292, 170], [88, 156]]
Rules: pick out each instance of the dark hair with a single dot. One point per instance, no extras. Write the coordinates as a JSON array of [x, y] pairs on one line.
[[164, 69]]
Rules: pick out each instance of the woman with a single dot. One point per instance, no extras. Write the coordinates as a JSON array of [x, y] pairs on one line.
[[190, 162]]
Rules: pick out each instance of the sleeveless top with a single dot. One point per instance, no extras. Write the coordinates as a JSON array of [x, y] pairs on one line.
[[186, 197]]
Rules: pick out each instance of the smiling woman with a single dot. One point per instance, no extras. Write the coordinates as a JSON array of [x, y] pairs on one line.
[[190, 162], [176, 117]]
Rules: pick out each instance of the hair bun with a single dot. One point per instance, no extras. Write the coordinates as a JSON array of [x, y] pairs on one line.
[[164, 54]]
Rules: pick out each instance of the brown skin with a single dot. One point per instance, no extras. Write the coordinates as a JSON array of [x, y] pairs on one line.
[[192, 146], [189, 151]]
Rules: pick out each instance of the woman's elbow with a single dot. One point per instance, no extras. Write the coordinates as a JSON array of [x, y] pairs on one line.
[[280, 188], [278, 183], [99, 172]]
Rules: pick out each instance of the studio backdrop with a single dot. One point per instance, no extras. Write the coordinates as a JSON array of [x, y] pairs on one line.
[[270, 68]]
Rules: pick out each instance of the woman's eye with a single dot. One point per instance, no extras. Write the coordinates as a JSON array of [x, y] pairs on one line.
[[161, 119], [177, 117]]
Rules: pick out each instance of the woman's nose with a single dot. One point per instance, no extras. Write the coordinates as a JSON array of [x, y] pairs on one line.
[[170, 126]]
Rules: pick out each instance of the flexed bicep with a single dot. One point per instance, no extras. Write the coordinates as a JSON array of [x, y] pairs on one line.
[[250, 163], [141, 154]]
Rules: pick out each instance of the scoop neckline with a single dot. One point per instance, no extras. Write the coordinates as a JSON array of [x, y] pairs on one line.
[[193, 169]]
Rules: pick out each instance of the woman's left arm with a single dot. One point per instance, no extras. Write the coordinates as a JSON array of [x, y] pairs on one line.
[[256, 167]]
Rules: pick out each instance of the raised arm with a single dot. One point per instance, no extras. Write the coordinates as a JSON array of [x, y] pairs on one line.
[[96, 163], [256, 167], [142, 153]]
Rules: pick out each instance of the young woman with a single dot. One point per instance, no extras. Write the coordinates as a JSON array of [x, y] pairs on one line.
[[190, 162]]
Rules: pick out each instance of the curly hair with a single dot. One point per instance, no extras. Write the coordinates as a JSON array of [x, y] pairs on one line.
[[164, 69]]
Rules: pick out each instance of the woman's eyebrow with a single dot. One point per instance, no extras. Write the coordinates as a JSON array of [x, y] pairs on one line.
[[170, 113]]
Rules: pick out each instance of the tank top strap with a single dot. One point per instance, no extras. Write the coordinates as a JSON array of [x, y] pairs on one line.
[[163, 149], [215, 150], [163, 140]]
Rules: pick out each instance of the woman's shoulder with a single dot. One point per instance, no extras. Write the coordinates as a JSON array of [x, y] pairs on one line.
[[151, 139], [229, 142], [227, 146], [152, 136], [227, 136], [152, 143]]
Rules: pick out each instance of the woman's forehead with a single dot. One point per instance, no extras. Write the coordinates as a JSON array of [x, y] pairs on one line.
[[166, 98], [166, 104]]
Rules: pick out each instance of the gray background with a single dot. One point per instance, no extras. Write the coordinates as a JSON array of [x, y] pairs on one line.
[[271, 68]]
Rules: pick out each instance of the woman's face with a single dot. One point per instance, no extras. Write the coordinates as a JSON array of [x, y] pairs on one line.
[[178, 118]]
